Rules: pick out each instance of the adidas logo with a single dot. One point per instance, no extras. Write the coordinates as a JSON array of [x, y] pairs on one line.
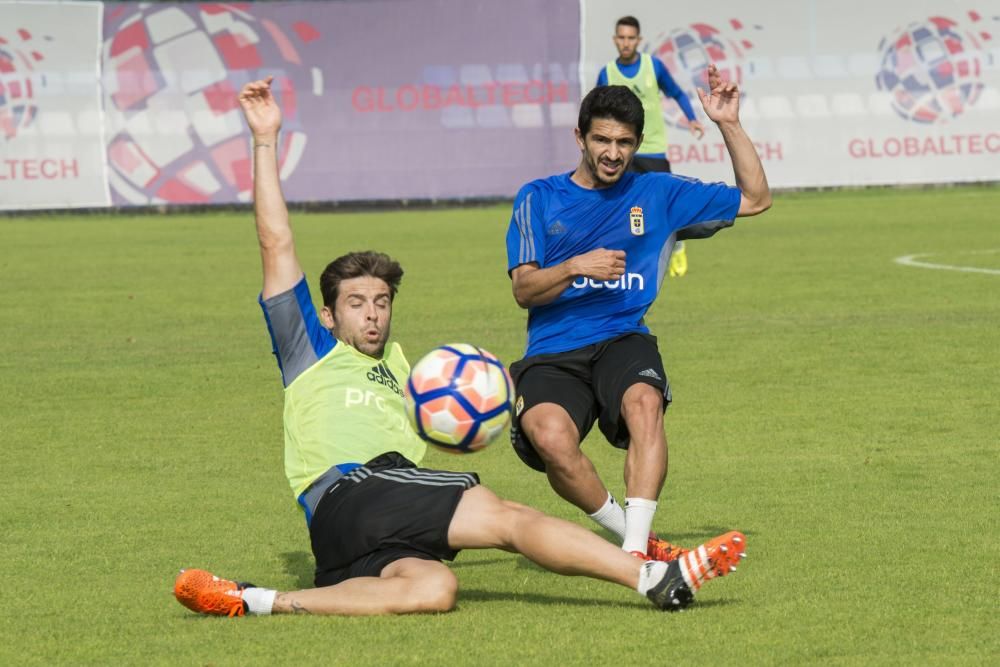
[[555, 228], [650, 373], [380, 374]]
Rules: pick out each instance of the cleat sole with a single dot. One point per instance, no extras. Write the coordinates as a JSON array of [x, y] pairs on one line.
[[725, 553]]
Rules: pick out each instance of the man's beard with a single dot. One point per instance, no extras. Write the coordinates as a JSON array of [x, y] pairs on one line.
[[599, 177]]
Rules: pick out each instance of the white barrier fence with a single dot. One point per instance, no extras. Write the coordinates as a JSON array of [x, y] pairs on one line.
[[113, 103], [835, 93]]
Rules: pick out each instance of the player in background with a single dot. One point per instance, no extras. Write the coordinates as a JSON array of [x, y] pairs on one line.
[[587, 256], [379, 525], [647, 76]]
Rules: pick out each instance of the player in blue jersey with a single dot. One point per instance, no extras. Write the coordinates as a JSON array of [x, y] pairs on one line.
[[379, 525], [587, 253]]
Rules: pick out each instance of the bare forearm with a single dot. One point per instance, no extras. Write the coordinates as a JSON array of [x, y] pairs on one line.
[[542, 286], [269, 204], [747, 168], [277, 247]]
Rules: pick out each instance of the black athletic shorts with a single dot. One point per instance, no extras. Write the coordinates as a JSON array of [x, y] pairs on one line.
[[383, 511], [643, 165], [589, 384]]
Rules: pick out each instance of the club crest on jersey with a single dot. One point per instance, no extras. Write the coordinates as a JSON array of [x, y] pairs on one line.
[[636, 221]]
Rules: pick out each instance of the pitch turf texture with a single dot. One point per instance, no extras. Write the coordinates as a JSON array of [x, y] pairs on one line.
[[839, 408]]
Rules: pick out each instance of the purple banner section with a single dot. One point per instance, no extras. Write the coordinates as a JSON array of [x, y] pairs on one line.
[[392, 99]]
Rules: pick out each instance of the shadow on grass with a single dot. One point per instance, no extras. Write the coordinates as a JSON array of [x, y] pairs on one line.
[[479, 595], [299, 564], [459, 564], [700, 535]]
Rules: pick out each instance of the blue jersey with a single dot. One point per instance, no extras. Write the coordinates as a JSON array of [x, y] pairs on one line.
[[555, 219]]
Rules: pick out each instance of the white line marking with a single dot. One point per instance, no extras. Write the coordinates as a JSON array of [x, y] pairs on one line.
[[914, 260]]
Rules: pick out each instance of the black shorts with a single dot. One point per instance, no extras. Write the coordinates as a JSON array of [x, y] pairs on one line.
[[383, 511], [589, 384], [643, 165]]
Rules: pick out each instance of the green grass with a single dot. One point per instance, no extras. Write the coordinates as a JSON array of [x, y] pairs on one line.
[[839, 408]]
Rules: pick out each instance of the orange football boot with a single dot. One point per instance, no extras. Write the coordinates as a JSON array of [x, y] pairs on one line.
[[203, 592], [658, 549]]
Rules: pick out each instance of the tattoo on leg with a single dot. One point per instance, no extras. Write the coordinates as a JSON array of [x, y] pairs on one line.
[[286, 601]]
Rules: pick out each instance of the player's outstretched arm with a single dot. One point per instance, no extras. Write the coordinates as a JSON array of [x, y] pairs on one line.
[[534, 286], [722, 104], [277, 247]]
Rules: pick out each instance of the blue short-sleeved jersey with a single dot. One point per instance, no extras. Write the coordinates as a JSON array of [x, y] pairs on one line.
[[555, 219]]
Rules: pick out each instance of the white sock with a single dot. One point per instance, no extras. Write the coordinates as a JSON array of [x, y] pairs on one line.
[[259, 600], [611, 517], [638, 520], [652, 573]]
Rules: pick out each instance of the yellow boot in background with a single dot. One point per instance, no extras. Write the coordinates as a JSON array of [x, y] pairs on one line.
[[678, 261]]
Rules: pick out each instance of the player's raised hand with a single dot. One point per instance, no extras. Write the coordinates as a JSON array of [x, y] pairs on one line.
[[600, 264], [722, 101], [260, 108]]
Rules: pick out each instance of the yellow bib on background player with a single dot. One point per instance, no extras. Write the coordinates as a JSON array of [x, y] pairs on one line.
[[644, 85]]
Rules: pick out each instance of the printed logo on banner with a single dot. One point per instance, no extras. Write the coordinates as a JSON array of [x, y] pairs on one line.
[[932, 68], [21, 56], [687, 52], [172, 75], [494, 96]]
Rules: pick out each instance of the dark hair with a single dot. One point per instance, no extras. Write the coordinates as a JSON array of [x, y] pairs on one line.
[[628, 20], [356, 265], [615, 102]]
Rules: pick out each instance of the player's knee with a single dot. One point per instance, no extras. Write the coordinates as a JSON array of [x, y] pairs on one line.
[[436, 593], [518, 511], [553, 439], [642, 399], [515, 517]]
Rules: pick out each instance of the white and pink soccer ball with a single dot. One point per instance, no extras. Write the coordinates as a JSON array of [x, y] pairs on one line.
[[458, 397]]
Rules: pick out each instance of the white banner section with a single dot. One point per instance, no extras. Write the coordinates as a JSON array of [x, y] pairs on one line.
[[51, 128], [834, 93]]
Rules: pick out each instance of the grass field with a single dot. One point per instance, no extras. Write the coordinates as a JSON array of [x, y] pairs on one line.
[[838, 407]]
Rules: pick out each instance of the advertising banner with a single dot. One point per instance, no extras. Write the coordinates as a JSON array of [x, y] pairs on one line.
[[835, 93], [131, 103], [51, 143], [389, 99]]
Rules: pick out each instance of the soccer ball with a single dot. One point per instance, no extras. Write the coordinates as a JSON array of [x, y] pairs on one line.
[[458, 397]]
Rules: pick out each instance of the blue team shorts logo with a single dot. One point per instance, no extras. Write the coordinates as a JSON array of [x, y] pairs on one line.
[[932, 69], [688, 51]]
